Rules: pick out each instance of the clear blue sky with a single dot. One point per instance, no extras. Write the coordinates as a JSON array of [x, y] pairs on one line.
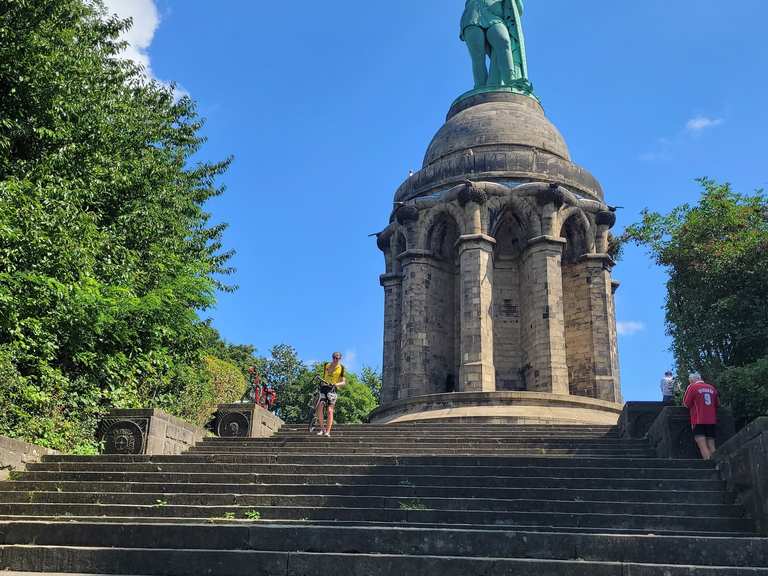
[[327, 105]]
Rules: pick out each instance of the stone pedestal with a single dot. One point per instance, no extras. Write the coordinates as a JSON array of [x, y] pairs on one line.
[[147, 431], [543, 323], [245, 420], [477, 373]]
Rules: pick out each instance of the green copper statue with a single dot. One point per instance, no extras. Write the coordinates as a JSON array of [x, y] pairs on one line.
[[494, 28]]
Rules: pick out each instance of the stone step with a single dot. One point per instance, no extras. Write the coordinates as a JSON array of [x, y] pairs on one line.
[[453, 502], [401, 490], [441, 435], [441, 460], [243, 481], [375, 474], [370, 466], [728, 551], [315, 440], [170, 562], [333, 450], [461, 427], [410, 512]]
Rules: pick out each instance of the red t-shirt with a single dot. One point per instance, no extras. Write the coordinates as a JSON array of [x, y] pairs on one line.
[[702, 400]]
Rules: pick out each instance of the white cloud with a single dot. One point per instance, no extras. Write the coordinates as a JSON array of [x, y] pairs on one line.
[[146, 20], [349, 360], [629, 328], [700, 123]]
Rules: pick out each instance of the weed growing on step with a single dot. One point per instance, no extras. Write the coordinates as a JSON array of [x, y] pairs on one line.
[[412, 505], [160, 503], [14, 475], [229, 516], [253, 515], [407, 484]]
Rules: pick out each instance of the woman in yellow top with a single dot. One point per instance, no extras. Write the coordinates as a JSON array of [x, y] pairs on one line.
[[333, 378]]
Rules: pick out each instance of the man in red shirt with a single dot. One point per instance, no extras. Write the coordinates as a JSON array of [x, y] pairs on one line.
[[702, 401]]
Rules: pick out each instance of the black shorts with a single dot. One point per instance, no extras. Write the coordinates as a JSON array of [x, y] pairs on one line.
[[328, 395], [708, 430]]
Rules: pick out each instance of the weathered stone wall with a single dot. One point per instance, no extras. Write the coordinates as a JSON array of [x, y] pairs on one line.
[[578, 330], [245, 420], [442, 316], [147, 431], [507, 349], [672, 437], [743, 464], [15, 454]]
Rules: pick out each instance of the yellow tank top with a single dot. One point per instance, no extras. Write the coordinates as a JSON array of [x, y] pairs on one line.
[[333, 376]]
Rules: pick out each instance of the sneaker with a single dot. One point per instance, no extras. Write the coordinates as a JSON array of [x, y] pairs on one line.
[[321, 433], [327, 434]]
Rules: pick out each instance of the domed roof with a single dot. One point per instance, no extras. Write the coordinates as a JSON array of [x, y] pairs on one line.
[[496, 119], [497, 136]]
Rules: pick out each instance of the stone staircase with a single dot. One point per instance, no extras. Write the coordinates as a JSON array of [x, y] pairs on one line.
[[427, 499]]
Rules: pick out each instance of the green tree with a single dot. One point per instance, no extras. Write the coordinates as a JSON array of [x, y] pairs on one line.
[[106, 251], [372, 380], [716, 254]]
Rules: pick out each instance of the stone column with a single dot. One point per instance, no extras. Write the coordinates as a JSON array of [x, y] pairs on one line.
[[414, 338], [477, 373], [603, 333], [543, 328], [393, 303]]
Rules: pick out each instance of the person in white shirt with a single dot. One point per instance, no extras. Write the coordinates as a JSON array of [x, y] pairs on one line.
[[668, 388]]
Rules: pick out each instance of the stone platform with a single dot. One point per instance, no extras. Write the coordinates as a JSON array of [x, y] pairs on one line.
[[500, 408]]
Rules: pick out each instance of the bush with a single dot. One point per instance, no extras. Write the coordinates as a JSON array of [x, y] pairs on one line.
[[745, 390]]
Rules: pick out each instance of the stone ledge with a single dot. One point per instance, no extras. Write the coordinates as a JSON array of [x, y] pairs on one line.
[[512, 407], [638, 417], [15, 454]]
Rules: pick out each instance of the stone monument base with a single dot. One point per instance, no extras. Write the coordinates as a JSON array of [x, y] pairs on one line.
[[500, 408]]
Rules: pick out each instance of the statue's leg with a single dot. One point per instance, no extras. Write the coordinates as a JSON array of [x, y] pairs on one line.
[[474, 36], [501, 59]]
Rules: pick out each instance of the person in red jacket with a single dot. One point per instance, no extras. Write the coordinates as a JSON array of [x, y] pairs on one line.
[[702, 401]]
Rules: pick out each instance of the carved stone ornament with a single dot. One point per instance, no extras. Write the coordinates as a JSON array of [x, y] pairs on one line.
[[407, 213], [606, 218], [471, 193], [234, 425], [124, 436]]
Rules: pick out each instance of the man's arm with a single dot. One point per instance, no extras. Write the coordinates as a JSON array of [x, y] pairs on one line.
[[688, 398]]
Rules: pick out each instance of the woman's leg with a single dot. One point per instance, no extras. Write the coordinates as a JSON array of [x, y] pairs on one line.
[[502, 60], [474, 36], [330, 420]]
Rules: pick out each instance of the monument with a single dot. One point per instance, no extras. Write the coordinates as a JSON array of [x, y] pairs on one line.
[[499, 300]]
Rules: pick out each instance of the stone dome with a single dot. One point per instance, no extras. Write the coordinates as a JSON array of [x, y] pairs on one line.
[[497, 136], [496, 119]]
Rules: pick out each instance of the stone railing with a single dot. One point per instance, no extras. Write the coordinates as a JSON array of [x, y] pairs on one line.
[[638, 417], [15, 454], [743, 464], [147, 431], [672, 437]]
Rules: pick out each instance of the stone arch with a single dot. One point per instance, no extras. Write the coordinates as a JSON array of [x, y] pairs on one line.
[[433, 215], [574, 225], [524, 210], [443, 308]]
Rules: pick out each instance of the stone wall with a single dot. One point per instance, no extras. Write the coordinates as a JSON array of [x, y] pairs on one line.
[[672, 437], [743, 464], [15, 454], [147, 431]]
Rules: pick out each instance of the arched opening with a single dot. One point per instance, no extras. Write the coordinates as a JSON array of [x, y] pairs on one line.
[[577, 308], [508, 355], [443, 308]]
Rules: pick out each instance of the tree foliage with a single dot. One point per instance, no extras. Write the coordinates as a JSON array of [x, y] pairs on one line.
[[716, 254], [106, 251]]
